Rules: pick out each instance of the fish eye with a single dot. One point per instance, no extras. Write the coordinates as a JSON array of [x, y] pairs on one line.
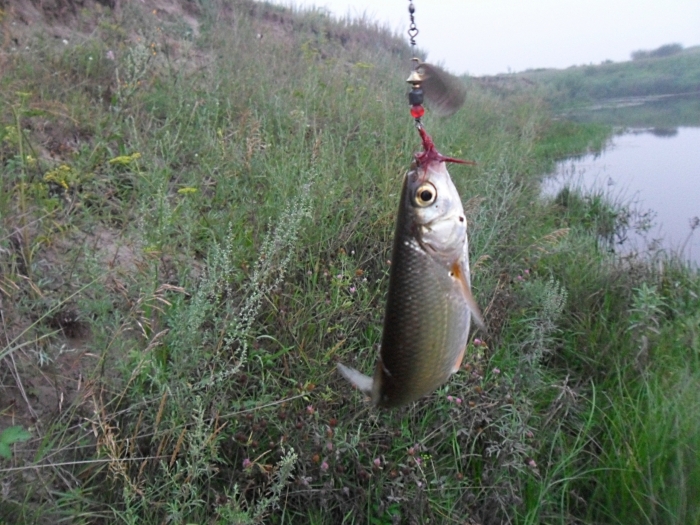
[[425, 194]]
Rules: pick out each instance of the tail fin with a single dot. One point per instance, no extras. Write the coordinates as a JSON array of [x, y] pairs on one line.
[[362, 382]]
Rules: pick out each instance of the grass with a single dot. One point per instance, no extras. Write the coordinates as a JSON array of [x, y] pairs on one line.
[[195, 224]]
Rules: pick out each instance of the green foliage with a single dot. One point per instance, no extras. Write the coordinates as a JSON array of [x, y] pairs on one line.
[[666, 71], [662, 51], [9, 437], [650, 438], [195, 224], [563, 138]]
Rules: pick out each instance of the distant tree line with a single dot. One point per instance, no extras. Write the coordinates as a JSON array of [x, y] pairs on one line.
[[663, 51]]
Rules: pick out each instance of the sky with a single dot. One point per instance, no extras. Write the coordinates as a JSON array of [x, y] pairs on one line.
[[487, 37]]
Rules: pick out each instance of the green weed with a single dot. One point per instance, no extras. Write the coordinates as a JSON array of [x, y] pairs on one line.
[[195, 224]]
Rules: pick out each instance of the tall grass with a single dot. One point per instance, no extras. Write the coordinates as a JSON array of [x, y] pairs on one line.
[[195, 226]]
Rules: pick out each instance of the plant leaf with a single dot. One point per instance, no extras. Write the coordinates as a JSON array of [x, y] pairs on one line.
[[5, 451], [14, 435]]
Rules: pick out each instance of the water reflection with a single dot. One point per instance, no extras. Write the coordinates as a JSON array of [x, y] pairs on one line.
[[656, 173], [659, 112], [664, 132]]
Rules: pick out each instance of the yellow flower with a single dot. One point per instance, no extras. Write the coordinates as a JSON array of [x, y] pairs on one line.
[[59, 176], [10, 135], [125, 160], [64, 176]]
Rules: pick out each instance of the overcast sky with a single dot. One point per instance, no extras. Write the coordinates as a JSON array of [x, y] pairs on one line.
[[485, 37]]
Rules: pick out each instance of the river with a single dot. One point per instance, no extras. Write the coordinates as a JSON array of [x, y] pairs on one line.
[[655, 172]]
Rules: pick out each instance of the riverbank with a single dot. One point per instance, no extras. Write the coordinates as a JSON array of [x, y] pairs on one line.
[[674, 74], [197, 212]]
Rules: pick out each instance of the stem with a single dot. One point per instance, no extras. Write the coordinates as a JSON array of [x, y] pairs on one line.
[[26, 252]]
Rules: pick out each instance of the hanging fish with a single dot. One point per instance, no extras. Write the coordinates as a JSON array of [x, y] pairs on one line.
[[430, 303]]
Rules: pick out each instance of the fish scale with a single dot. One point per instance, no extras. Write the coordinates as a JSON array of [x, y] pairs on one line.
[[418, 317]]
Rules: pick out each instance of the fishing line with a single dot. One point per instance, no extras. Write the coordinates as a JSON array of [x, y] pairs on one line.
[[415, 79]]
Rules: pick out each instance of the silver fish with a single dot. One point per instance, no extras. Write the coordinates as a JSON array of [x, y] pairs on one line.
[[430, 303]]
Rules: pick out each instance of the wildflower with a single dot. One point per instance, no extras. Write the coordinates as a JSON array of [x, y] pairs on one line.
[[527, 271], [324, 466], [377, 462], [339, 276], [496, 371], [65, 42], [310, 409], [450, 398], [110, 55], [458, 400], [520, 277], [329, 446], [62, 176], [124, 160], [477, 342], [247, 463], [531, 463], [353, 289]]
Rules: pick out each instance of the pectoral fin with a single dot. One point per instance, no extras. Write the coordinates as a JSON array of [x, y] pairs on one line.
[[459, 274], [458, 361]]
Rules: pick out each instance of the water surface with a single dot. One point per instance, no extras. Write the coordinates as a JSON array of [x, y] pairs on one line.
[[656, 170]]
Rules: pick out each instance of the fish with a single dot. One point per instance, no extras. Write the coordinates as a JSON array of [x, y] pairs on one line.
[[430, 304]]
